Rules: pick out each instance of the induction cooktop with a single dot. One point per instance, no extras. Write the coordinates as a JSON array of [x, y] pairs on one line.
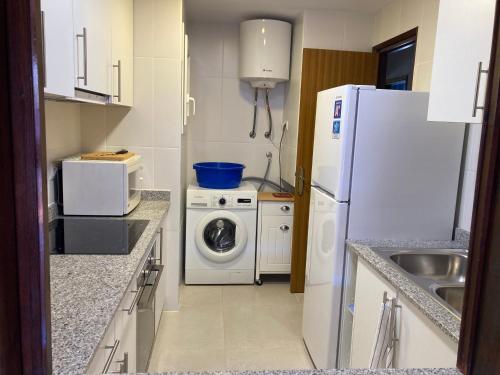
[[94, 235]]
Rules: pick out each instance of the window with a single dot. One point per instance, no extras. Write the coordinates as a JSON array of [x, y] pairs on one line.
[[396, 61]]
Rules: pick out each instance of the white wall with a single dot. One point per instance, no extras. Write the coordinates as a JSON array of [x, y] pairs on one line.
[[152, 128], [333, 30], [62, 130], [224, 105], [402, 15], [292, 104]]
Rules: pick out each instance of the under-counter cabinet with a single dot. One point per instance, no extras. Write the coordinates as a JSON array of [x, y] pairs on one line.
[[461, 60], [127, 343], [122, 52], [57, 43], [274, 236], [92, 40], [420, 343]]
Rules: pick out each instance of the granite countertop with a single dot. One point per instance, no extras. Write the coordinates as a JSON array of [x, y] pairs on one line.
[[87, 289], [443, 318], [421, 371]]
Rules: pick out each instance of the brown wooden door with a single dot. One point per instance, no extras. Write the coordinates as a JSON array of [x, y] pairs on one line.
[[321, 70]]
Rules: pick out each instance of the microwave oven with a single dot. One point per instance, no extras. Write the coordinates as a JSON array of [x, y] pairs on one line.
[[101, 187]]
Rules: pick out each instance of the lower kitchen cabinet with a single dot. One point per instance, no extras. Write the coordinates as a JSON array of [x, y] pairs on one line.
[[274, 238], [421, 344], [129, 338]]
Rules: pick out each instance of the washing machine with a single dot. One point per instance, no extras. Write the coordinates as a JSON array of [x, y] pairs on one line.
[[221, 228]]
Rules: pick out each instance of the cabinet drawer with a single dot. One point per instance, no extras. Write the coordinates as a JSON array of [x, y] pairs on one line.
[[277, 208], [106, 348]]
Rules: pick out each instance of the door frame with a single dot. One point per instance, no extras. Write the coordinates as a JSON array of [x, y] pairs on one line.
[[480, 330], [25, 342]]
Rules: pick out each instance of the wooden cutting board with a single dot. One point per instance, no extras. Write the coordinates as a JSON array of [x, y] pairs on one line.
[[110, 156]]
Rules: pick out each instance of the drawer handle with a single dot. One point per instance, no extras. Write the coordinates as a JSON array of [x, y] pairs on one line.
[[285, 208], [138, 293], [113, 348], [285, 228]]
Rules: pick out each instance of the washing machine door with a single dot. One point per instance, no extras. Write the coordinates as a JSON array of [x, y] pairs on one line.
[[221, 236]]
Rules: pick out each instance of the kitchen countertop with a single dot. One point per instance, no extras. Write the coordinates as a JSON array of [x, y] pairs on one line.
[[87, 289], [437, 313], [269, 197], [430, 371]]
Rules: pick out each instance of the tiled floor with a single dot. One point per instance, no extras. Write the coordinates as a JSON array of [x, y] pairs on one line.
[[232, 328]]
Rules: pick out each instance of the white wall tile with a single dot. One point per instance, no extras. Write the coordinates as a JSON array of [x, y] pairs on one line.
[[390, 22], [358, 32], [473, 145], [206, 124], [412, 13], [168, 176], [323, 29], [134, 127], [94, 130], [231, 52], [167, 111], [63, 136], [166, 37], [422, 81], [143, 28], [206, 45], [427, 31]]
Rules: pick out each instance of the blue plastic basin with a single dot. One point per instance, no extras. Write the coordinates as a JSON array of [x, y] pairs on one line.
[[214, 175]]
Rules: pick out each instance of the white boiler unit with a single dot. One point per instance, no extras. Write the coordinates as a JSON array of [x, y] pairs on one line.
[[265, 52]]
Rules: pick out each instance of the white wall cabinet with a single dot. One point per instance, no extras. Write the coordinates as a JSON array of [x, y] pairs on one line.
[[92, 41], [421, 344], [274, 238], [122, 52], [57, 39], [461, 58]]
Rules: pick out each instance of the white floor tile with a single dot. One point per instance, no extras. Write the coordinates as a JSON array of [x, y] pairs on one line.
[[232, 327]]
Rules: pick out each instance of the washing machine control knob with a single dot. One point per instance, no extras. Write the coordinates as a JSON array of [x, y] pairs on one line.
[[222, 201]]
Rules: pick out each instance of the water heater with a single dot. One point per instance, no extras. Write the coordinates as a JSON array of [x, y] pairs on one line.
[[265, 52]]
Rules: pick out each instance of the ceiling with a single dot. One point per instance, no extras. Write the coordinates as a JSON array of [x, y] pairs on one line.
[[238, 10]]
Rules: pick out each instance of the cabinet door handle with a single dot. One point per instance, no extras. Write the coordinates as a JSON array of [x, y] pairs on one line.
[[192, 100], [285, 208], [113, 348], [44, 54], [83, 35], [119, 67], [138, 293], [285, 228], [480, 71]]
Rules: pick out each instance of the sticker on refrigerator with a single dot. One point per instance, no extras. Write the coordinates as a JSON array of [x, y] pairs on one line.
[[337, 112], [336, 129]]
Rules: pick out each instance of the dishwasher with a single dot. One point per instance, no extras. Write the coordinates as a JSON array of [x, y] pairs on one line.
[[147, 283]]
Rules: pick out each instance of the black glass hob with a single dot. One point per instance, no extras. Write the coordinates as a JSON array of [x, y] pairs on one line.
[[94, 235]]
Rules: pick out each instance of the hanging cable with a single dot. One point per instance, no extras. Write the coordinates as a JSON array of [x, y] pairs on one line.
[[269, 156], [279, 152], [268, 107], [256, 97]]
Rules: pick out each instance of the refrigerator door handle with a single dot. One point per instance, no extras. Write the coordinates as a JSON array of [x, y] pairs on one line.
[[299, 181]]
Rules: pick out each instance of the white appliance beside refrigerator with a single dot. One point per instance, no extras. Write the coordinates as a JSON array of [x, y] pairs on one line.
[[380, 171]]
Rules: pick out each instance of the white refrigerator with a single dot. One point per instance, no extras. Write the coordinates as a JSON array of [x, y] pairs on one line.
[[380, 171]]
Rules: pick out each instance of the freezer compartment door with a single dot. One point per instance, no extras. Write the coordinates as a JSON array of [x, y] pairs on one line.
[[333, 140], [324, 274]]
